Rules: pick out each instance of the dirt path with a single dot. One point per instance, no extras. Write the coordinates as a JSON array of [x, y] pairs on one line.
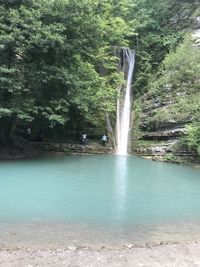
[[177, 255]]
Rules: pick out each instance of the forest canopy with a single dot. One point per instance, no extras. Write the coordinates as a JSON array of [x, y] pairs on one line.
[[57, 66]]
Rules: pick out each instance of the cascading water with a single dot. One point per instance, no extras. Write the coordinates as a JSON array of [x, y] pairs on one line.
[[124, 107]]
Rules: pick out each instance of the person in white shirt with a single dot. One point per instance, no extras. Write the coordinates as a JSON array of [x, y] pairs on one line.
[[104, 139]]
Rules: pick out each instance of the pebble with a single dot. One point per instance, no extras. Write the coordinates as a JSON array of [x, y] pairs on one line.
[[72, 248]]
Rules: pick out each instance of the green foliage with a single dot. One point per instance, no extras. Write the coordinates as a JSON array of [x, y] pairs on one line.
[[160, 26], [57, 63], [192, 140], [177, 87], [52, 54], [182, 67], [170, 157], [136, 132]]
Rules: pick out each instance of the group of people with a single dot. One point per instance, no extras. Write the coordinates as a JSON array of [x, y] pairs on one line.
[[83, 139]]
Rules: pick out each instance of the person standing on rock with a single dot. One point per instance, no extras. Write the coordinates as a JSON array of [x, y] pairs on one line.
[[84, 138], [104, 139], [28, 132]]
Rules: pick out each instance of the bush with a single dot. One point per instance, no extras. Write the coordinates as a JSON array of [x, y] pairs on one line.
[[170, 157], [192, 139]]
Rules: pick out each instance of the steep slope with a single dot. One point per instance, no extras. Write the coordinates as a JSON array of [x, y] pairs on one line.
[[167, 116]]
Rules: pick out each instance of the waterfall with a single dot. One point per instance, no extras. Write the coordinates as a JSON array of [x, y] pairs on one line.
[[124, 105]]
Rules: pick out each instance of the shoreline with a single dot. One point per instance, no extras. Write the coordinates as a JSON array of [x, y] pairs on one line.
[[101, 247], [165, 255], [14, 154], [182, 163]]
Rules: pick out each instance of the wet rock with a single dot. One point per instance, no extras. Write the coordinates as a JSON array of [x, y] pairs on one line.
[[196, 37], [167, 133], [197, 22]]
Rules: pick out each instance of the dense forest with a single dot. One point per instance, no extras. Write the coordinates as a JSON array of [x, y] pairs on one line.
[[59, 74]]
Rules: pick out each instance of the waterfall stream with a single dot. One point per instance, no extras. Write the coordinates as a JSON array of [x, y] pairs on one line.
[[124, 105]]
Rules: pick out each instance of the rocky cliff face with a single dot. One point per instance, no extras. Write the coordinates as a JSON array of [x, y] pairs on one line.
[[166, 110]]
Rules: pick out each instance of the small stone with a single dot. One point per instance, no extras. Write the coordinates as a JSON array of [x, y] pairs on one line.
[[59, 250], [129, 246], [72, 248]]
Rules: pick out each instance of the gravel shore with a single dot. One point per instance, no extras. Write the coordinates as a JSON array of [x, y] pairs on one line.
[[174, 255]]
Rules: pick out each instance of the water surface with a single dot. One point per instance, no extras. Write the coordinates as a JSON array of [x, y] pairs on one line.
[[115, 198]]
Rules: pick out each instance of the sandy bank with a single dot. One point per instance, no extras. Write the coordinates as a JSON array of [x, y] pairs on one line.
[[174, 255]]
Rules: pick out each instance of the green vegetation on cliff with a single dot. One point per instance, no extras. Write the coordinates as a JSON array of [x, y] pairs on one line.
[[176, 87], [169, 104], [58, 72], [192, 140]]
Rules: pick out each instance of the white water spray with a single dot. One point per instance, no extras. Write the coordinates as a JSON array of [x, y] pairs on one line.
[[124, 108]]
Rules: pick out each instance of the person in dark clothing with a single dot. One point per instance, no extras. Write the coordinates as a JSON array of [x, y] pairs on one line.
[[28, 133], [40, 138]]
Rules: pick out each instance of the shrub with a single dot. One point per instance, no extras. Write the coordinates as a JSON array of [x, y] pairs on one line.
[[192, 138]]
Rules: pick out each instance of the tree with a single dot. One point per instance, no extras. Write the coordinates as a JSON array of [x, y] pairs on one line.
[[52, 54]]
